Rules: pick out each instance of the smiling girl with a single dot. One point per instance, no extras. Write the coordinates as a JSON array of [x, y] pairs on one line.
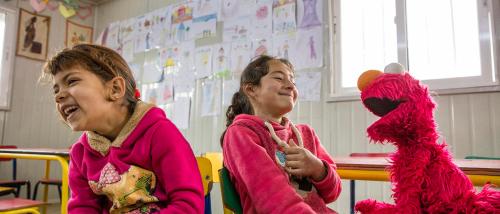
[[276, 166], [130, 157]]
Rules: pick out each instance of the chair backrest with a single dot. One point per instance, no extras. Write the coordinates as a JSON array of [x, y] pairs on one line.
[[14, 161], [205, 168], [216, 160], [230, 196]]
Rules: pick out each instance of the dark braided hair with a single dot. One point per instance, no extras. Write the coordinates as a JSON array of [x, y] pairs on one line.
[[100, 60], [255, 70]]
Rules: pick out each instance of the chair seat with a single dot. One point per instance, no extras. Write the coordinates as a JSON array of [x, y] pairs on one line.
[[51, 181], [17, 203], [12, 182], [7, 190]]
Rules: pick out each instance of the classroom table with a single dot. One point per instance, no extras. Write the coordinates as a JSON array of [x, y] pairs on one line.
[[60, 155], [373, 169]]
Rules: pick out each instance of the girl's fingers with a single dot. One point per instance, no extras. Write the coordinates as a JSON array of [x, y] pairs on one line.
[[293, 164], [296, 172], [293, 157], [292, 150]]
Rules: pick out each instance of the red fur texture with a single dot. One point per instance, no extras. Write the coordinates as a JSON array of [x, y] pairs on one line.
[[424, 178]]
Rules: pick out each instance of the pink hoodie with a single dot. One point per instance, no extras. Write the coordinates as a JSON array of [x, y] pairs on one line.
[[263, 185], [149, 166]]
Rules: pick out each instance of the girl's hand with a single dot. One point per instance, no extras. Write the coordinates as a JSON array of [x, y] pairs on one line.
[[301, 162]]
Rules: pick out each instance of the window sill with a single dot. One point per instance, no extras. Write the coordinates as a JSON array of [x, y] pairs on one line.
[[454, 91]]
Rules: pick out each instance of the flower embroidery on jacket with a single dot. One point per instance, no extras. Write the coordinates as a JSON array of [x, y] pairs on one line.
[[129, 192]]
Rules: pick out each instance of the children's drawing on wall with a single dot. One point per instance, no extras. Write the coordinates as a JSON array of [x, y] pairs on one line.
[[262, 20], [168, 57], [166, 90], [309, 13], [284, 17], [241, 53], [203, 62], [237, 29], [143, 34], [205, 26], [151, 73], [127, 30], [127, 50], [211, 97], [277, 3], [206, 7], [186, 60], [160, 27], [221, 53], [261, 47], [185, 78], [180, 112], [231, 9], [111, 38], [150, 93], [182, 17], [310, 42], [284, 46], [309, 85], [136, 71], [184, 82], [230, 87]]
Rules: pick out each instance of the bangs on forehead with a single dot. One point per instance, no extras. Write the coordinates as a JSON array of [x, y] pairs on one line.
[[283, 61], [60, 62]]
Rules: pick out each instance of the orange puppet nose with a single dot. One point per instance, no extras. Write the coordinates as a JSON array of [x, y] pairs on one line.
[[367, 77]]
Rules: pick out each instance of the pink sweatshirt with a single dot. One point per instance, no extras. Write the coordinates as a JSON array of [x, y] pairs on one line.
[[263, 185], [149, 167]]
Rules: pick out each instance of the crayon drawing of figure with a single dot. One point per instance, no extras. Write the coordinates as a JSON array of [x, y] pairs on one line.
[[310, 17]]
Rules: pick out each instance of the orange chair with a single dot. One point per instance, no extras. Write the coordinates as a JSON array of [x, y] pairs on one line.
[[353, 183], [14, 183]]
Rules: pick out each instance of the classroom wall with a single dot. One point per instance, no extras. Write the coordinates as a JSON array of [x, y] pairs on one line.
[[32, 120], [470, 122]]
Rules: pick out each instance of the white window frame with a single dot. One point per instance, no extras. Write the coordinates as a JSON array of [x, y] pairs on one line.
[[483, 83], [8, 57]]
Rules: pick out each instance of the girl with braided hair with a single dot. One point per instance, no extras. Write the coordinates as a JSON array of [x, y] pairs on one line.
[[276, 166], [130, 157]]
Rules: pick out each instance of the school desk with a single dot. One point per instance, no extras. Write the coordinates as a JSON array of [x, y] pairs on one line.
[[373, 169], [60, 155]]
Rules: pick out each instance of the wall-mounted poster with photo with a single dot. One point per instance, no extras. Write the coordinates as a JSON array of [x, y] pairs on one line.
[[33, 34], [77, 34]]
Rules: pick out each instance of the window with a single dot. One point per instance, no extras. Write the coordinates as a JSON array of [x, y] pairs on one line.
[[448, 44], [7, 45]]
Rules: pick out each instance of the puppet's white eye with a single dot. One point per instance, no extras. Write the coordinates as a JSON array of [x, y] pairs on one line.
[[394, 68]]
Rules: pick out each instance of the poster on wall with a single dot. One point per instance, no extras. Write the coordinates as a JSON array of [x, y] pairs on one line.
[[182, 22], [284, 16], [211, 97], [309, 13], [310, 44], [309, 85], [77, 34], [33, 34]]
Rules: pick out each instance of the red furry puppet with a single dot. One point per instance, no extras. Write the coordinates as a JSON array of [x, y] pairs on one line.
[[424, 178]]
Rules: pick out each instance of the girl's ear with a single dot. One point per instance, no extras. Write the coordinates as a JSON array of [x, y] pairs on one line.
[[249, 90], [116, 88]]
